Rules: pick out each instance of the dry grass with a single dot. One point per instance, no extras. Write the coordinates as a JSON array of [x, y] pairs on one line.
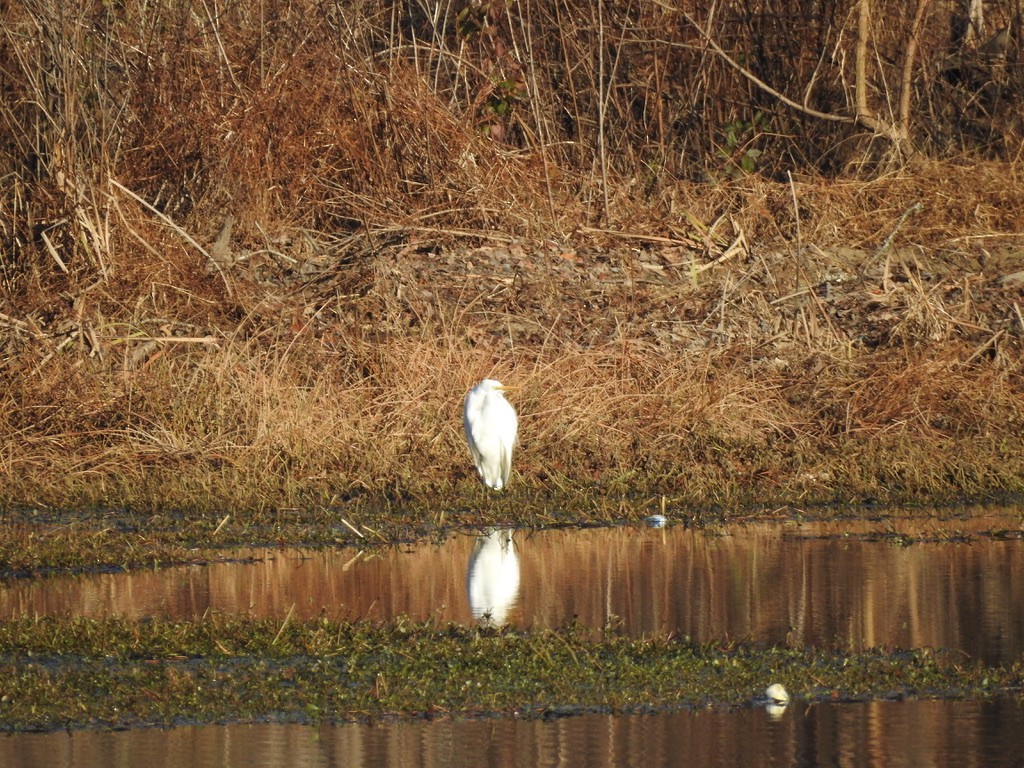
[[256, 259], [247, 426]]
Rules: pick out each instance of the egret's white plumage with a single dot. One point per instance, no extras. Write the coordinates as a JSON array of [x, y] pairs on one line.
[[777, 694], [491, 427]]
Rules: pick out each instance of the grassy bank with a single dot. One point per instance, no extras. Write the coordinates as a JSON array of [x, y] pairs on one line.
[[74, 673], [251, 263], [720, 390]]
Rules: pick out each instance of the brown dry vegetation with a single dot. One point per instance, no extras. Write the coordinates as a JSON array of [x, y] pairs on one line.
[[254, 253]]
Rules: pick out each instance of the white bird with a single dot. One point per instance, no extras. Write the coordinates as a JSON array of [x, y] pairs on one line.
[[777, 694], [491, 426], [778, 700]]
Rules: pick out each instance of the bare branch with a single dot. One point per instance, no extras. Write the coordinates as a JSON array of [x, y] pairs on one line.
[[184, 235], [754, 78], [908, 65], [861, 66], [863, 116]]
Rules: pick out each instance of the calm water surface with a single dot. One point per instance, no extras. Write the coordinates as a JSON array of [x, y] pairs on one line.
[[798, 585], [852, 584], [911, 733]]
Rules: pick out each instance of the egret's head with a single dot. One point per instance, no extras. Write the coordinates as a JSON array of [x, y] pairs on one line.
[[493, 384]]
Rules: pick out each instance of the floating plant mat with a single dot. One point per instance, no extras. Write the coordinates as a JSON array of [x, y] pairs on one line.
[[68, 673]]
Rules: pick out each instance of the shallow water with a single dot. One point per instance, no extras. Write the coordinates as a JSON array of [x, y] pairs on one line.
[[802, 585], [894, 734], [852, 584]]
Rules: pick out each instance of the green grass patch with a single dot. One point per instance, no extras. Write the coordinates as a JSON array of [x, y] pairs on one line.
[[70, 673]]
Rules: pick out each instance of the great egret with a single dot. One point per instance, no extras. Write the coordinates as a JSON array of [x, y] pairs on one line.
[[491, 425]]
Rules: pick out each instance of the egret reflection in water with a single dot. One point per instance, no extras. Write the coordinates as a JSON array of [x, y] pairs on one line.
[[492, 581]]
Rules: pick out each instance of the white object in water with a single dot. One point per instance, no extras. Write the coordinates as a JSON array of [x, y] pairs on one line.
[[493, 578], [777, 694], [778, 698]]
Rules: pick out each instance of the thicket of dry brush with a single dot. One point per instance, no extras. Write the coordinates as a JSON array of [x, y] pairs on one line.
[[254, 253]]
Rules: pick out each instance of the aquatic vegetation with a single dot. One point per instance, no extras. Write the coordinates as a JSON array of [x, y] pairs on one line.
[[67, 673]]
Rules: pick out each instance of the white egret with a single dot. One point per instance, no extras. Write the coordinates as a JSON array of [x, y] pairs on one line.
[[777, 693], [491, 426], [778, 700]]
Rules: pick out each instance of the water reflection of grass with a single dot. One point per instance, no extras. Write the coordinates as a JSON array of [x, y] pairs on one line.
[[77, 673], [36, 542]]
